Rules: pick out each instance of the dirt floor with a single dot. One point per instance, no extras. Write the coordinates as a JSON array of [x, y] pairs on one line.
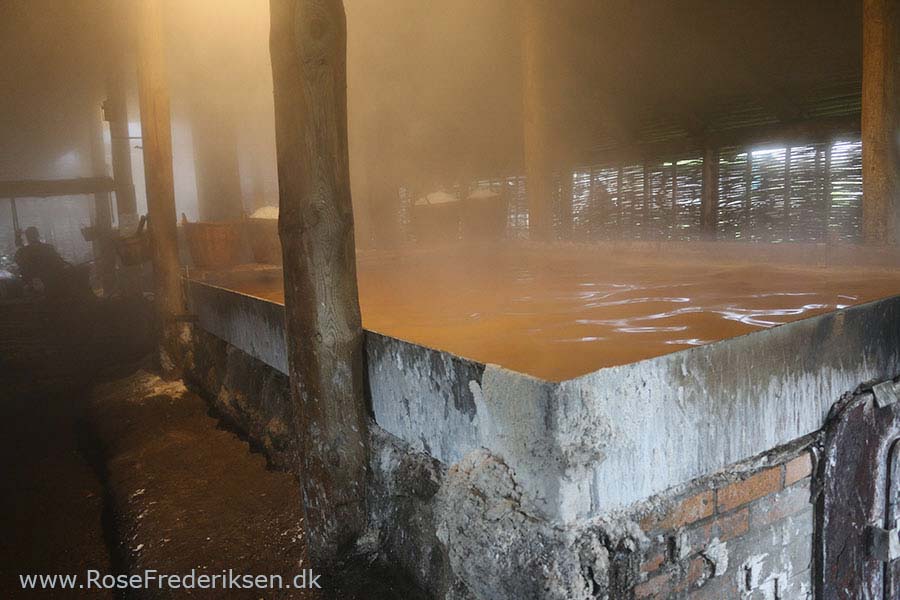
[[108, 467], [52, 497], [189, 495]]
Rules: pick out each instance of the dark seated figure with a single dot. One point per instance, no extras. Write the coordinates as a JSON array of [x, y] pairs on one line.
[[41, 261]]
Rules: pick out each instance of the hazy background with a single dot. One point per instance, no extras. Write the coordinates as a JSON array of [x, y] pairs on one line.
[[435, 102]]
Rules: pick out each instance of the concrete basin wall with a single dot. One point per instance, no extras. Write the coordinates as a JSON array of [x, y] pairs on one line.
[[609, 439]]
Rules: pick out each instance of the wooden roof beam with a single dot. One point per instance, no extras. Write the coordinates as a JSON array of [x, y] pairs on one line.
[[47, 188]]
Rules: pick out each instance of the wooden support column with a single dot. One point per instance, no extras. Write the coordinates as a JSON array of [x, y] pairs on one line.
[[673, 224], [308, 48], [156, 130], [216, 163], [880, 121], [786, 217], [826, 189], [566, 192], [647, 205], [748, 184], [116, 112], [102, 246], [709, 199], [536, 128], [620, 201]]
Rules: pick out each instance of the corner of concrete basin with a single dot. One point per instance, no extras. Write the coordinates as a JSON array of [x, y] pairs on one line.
[[639, 429], [449, 407], [606, 440]]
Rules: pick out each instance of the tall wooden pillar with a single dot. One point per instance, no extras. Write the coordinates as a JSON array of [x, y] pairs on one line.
[[216, 162], [826, 188], [156, 131], [880, 121], [788, 183], [104, 256], [673, 224], [536, 127], [646, 206], [709, 199], [308, 48], [116, 112], [566, 192]]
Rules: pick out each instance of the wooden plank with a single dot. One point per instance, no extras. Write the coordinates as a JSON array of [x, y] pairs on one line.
[[49, 188], [308, 49]]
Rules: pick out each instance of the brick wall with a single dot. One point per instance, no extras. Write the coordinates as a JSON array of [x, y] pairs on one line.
[[749, 537]]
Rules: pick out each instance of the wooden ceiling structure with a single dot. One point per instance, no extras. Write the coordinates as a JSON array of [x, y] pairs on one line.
[[663, 78], [631, 83]]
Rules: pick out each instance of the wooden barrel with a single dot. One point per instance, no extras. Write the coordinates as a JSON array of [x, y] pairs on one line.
[[436, 218], [484, 215], [264, 241], [214, 245]]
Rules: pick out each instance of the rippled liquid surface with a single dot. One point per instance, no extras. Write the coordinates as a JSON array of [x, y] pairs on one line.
[[567, 311]]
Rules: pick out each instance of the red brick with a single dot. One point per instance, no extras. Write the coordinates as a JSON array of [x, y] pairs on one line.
[[797, 469], [697, 571], [698, 537], [733, 525], [654, 561], [655, 587], [690, 509], [756, 486], [780, 506]]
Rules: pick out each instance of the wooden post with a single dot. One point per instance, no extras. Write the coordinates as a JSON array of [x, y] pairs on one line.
[[156, 131], [648, 200], [620, 202], [787, 193], [746, 221], [216, 163], [308, 47], [709, 199], [673, 226], [880, 121], [565, 203], [826, 189], [104, 254], [116, 112], [536, 134]]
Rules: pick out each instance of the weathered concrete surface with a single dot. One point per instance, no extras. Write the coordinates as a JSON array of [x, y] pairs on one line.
[[248, 395], [487, 483], [690, 413], [471, 530], [425, 396], [467, 532], [252, 324], [611, 438], [402, 504]]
